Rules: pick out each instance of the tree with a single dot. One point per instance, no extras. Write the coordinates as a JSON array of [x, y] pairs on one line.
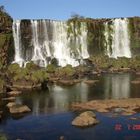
[[76, 16], [2, 9]]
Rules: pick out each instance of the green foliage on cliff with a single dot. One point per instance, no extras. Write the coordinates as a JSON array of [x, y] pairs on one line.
[[2, 85], [51, 68], [66, 71], [6, 43], [104, 62], [134, 29], [27, 74]]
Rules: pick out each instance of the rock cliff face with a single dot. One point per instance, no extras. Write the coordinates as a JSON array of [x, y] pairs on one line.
[[6, 39], [69, 42], [134, 26]]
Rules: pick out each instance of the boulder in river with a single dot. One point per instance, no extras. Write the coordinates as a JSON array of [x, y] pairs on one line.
[[85, 119], [16, 108], [19, 109]]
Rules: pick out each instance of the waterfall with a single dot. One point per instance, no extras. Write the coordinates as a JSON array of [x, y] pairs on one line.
[[120, 45], [17, 42], [50, 40], [38, 54], [60, 45]]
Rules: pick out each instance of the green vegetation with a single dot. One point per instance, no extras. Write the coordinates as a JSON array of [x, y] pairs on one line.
[[2, 85], [104, 62], [28, 73], [51, 68], [67, 71]]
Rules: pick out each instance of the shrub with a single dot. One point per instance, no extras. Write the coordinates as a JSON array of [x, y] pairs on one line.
[[66, 71], [31, 66], [51, 68], [39, 76], [14, 68]]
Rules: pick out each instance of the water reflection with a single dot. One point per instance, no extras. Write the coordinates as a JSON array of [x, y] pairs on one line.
[[57, 98], [117, 86]]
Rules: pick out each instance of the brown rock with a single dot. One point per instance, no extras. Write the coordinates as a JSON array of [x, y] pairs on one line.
[[14, 93], [130, 106], [88, 113], [66, 82], [137, 73], [9, 99], [91, 81], [102, 110], [135, 82], [16, 109], [85, 119], [11, 104]]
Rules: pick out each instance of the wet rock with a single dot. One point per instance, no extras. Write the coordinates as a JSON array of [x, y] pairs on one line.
[[11, 104], [66, 82], [102, 110], [54, 80], [85, 119], [22, 85], [135, 118], [14, 93], [88, 113], [95, 72], [129, 106], [77, 81], [16, 108], [128, 112], [91, 81], [61, 138], [137, 73], [19, 109], [9, 99], [135, 82]]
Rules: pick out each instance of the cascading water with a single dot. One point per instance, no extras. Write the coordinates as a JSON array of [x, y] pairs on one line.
[[53, 43], [38, 54], [120, 45], [66, 41], [17, 42]]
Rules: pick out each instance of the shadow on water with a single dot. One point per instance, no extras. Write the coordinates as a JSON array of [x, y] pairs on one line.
[[51, 116]]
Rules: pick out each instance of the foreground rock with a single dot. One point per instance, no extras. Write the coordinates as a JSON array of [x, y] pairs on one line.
[[16, 108], [85, 119], [129, 106]]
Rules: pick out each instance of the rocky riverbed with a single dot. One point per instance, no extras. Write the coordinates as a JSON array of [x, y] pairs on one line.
[[123, 106]]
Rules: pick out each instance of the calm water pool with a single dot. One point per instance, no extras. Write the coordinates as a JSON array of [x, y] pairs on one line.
[[51, 115]]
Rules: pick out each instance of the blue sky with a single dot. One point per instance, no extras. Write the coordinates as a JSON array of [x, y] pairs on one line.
[[63, 9]]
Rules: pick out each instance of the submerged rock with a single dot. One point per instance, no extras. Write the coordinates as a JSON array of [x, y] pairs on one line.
[[85, 119]]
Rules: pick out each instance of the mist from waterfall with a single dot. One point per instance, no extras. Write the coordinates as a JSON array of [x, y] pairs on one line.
[[119, 34]]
